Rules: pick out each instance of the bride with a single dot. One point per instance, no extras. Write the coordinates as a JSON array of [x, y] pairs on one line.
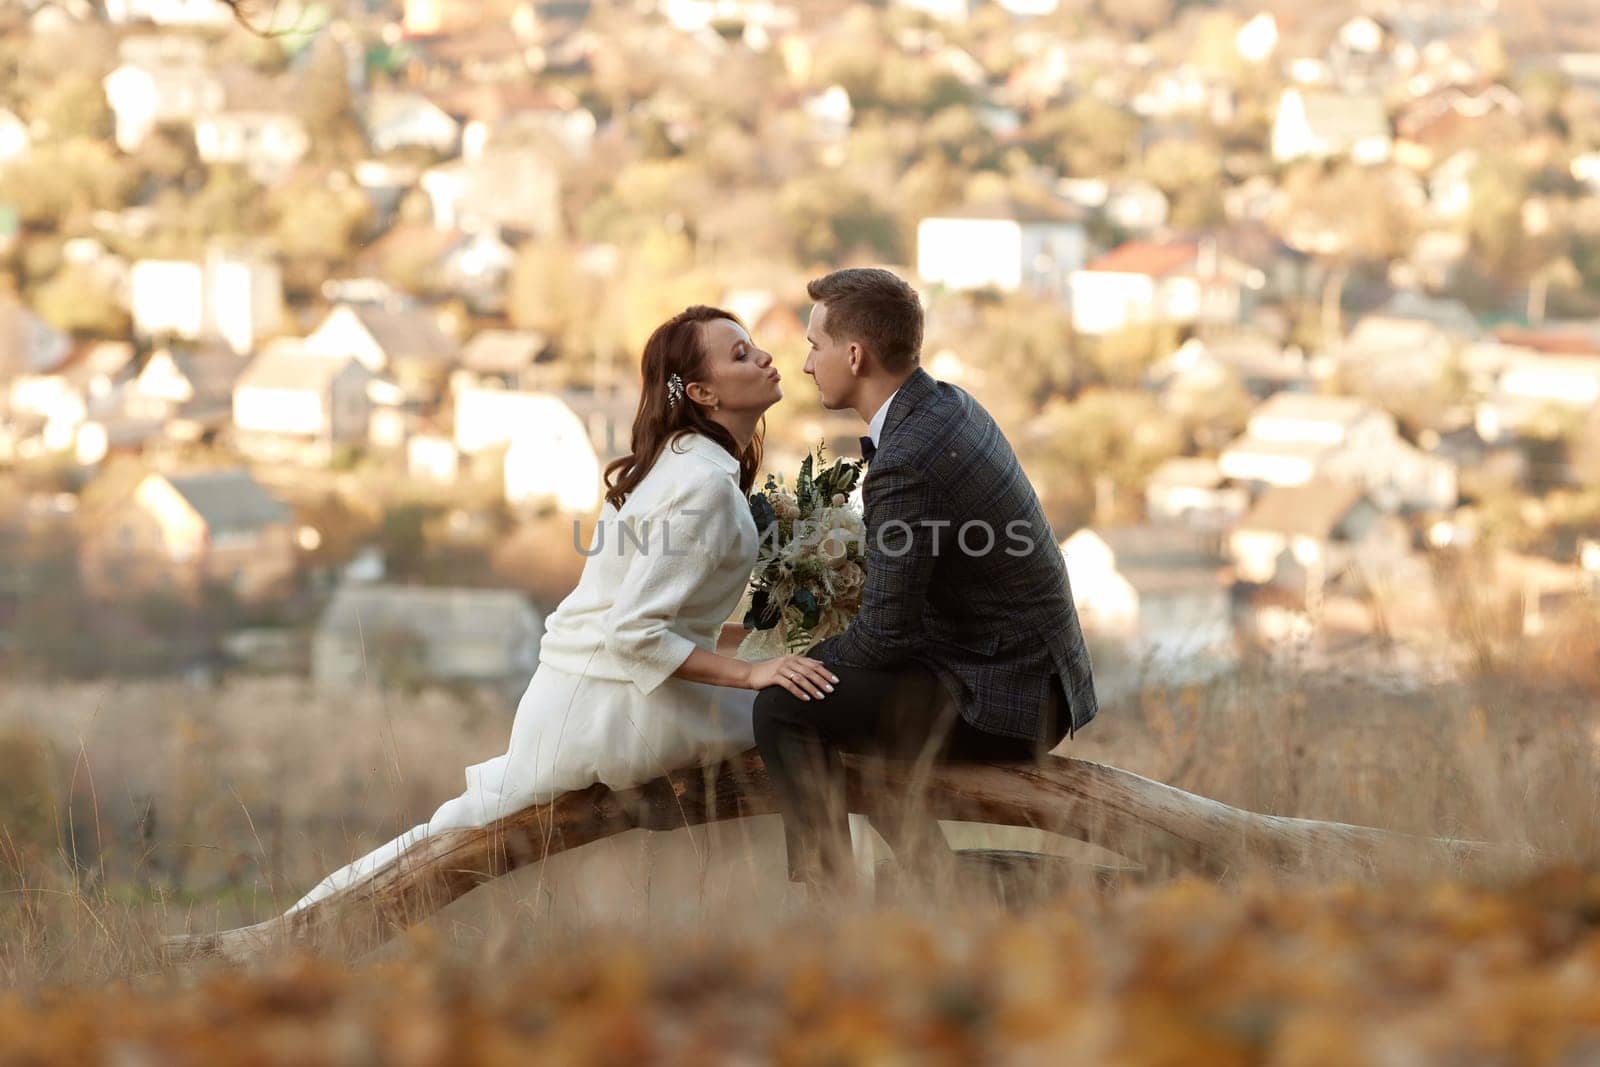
[[629, 685]]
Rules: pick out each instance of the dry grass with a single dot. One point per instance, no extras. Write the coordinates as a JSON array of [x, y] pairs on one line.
[[166, 807]]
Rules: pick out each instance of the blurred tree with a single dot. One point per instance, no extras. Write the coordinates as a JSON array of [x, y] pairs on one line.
[[1119, 435], [1123, 358], [1583, 455], [541, 557], [403, 538], [326, 106], [231, 203], [30, 804], [317, 222], [53, 184], [957, 134], [1087, 138], [1138, 16], [1503, 246], [77, 300], [1024, 351], [168, 156], [1189, 171], [548, 293], [833, 219], [74, 106], [1541, 91], [658, 279], [1319, 202]]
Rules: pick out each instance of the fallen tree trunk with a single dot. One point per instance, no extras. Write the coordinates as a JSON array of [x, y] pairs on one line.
[[1157, 826]]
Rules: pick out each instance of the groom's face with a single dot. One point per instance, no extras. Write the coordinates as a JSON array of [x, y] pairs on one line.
[[830, 361]]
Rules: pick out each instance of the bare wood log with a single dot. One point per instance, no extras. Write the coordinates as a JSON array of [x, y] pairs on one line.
[[1150, 823]]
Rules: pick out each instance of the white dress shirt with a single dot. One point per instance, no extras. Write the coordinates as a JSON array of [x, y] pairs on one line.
[[875, 427]]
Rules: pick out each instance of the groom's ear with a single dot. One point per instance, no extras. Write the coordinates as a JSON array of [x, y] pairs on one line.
[[858, 360]]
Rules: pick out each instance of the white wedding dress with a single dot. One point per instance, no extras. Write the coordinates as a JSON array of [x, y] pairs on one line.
[[663, 574]]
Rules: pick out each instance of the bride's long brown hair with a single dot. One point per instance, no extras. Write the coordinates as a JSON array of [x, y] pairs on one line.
[[677, 347]]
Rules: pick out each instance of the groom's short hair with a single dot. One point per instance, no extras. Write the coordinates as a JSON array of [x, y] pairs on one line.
[[875, 307]]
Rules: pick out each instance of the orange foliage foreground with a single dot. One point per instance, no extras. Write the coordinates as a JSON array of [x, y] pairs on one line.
[[1183, 974]]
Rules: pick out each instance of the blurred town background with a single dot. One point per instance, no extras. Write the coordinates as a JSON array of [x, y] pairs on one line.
[[318, 322]]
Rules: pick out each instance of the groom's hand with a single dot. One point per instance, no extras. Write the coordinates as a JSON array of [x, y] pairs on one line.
[[805, 678]]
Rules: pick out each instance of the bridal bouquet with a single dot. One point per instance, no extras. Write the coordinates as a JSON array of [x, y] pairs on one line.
[[811, 566]]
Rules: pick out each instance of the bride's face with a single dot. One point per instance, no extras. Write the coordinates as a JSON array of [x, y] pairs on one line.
[[739, 376]]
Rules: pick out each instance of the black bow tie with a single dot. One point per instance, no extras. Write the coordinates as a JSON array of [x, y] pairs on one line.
[[868, 449]]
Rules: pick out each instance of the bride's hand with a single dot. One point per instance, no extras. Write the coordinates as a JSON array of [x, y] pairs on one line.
[[804, 677]]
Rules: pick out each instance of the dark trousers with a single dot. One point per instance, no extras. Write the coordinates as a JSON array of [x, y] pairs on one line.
[[903, 715]]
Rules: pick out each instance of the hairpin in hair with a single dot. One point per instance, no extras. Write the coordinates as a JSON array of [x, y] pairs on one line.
[[674, 391]]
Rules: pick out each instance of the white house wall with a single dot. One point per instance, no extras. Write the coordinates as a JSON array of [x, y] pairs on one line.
[[971, 253]]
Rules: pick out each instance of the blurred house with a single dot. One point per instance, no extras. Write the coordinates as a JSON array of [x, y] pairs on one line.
[[14, 139], [389, 634], [88, 384], [692, 16], [1257, 39], [1313, 124], [444, 264], [232, 295], [514, 189], [117, 432], [1135, 205], [1159, 592], [432, 457], [1295, 438], [1366, 54], [1192, 491], [180, 534], [402, 343], [1307, 537], [184, 384], [553, 462], [944, 10], [607, 413], [494, 115], [1538, 393], [398, 120], [169, 12], [1432, 126], [830, 113], [1187, 90], [294, 405], [1258, 364], [549, 456], [1391, 353], [1177, 282], [548, 120], [160, 85], [505, 357], [1006, 247], [1547, 590], [268, 142], [28, 344]]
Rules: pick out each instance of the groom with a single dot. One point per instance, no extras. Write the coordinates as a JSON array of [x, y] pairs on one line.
[[967, 646]]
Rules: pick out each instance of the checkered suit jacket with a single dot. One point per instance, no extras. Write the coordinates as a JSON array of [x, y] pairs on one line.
[[994, 620]]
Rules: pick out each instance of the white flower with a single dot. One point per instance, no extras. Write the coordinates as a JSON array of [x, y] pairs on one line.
[[848, 580]]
